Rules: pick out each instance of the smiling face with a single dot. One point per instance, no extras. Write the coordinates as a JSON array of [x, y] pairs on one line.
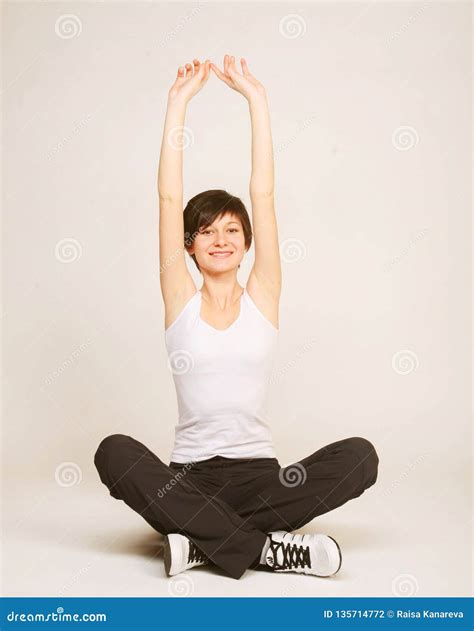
[[220, 246]]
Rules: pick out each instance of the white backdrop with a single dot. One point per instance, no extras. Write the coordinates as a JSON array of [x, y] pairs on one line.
[[370, 109]]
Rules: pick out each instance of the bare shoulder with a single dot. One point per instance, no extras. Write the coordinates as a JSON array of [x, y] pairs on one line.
[[266, 297], [176, 300]]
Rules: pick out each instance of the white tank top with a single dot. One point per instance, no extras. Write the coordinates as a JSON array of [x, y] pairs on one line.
[[221, 379]]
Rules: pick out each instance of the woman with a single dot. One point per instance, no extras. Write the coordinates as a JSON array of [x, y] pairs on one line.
[[223, 498]]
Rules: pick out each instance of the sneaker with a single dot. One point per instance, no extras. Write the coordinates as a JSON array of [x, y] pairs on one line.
[[180, 554], [319, 555]]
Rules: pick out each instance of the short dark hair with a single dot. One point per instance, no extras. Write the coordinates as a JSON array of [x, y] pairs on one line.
[[204, 208]]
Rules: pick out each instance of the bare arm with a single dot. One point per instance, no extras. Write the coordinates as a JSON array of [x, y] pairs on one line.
[[174, 273], [173, 267], [266, 271], [262, 179], [170, 170], [267, 266]]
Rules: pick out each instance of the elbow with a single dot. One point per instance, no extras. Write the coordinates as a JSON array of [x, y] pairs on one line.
[[261, 192], [167, 196]]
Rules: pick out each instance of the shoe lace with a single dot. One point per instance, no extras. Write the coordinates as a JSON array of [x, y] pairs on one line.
[[195, 554], [294, 555]]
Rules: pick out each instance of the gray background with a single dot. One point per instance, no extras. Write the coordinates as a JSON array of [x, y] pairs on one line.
[[370, 108]]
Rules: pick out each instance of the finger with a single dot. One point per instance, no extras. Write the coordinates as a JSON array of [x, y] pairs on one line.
[[218, 72], [180, 74], [199, 68], [245, 68], [207, 70], [222, 76], [189, 70], [228, 65], [232, 70]]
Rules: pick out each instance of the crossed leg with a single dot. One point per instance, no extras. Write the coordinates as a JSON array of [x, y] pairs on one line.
[[171, 501], [289, 498], [232, 537]]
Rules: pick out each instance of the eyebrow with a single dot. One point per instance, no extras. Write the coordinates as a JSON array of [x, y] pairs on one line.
[[228, 223]]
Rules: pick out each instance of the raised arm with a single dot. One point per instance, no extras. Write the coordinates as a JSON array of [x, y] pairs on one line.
[[174, 274], [266, 271], [267, 267]]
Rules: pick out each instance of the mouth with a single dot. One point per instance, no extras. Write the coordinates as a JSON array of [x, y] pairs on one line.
[[220, 255]]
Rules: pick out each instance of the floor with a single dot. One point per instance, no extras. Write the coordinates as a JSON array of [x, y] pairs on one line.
[[78, 541]]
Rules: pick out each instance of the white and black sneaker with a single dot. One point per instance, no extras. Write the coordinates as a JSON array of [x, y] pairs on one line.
[[318, 555], [180, 554]]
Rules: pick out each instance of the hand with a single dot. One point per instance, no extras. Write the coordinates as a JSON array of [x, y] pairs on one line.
[[244, 83], [189, 84]]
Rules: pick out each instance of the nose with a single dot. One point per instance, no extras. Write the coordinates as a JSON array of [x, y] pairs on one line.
[[221, 240]]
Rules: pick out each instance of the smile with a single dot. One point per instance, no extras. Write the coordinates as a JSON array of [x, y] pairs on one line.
[[221, 255]]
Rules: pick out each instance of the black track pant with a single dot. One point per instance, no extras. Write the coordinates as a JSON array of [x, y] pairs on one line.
[[226, 506]]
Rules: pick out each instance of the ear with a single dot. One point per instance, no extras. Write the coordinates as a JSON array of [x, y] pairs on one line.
[[189, 248]]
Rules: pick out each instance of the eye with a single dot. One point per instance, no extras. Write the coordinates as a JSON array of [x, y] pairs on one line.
[[234, 229]]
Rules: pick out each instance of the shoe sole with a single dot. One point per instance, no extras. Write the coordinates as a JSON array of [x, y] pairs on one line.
[[167, 556], [174, 553], [340, 560], [340, 556]]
